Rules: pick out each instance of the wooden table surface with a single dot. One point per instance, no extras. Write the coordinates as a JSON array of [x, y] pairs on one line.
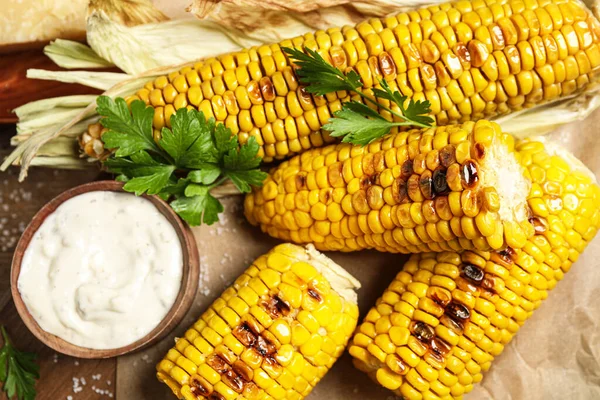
[[61, 376]]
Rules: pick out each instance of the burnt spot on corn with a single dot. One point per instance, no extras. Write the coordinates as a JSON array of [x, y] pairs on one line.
[[479, 151], [233, 380], [369, 180], [387, 66], [264, 347], [440, 185], [458, 312], [245, 335], [254, 92], [217, 363], [448, 155], [489, 283], [454, 325], [276, 307], [540, 225], [440, 296], [400, 191], [301, 181], [315, 295], [200, 386], [472, 273], [469, 174], [243, 370], [267, 89], [439, 346], [406, 170], [216, 396], [426, 185], [422, 331]]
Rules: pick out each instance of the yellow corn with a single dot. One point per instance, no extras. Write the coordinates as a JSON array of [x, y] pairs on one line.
[[438, 189], [272, 335], [471, 60], [445, 317]]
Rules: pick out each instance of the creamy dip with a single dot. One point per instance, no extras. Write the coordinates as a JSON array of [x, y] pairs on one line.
[[102, 271]]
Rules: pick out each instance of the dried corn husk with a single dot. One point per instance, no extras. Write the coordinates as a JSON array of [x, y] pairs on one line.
[[170, 42]]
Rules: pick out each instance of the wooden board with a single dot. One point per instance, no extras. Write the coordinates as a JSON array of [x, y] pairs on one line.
[[16, 89]]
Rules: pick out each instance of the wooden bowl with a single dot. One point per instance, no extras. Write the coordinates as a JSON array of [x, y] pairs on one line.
[[187, 292]]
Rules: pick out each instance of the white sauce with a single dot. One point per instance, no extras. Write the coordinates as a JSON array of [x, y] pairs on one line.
[[102, 271]]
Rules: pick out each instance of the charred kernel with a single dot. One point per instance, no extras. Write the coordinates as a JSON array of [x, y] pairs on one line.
[[439, 346], [440, 185], [200, 386], [218, 364], [422, 331], [472, 272], [407, 169], [243, 370], [457, 311], [216, 396], [488, 283], [453, 324], [426, 185], [448, 155], [301, 181], [315, 295], [267, 89], [233, 380], [276, 307], [469, 174], [539, 225], [479, 151], [264, 347], [400, 191], [387, 66], [244, 334]]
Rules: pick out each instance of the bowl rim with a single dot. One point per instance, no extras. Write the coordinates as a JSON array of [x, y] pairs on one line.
[[183, 301]]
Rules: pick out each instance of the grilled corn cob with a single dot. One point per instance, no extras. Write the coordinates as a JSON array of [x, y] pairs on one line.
[[272, 335], [445, 317], [471, 60], [445, 188]]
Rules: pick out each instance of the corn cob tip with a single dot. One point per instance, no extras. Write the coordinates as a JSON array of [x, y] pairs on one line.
[[341, 280], [556, 149]]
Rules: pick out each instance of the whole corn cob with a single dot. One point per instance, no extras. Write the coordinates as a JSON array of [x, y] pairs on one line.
[[445, 317], [272, 335], [445, 188], [471, 60]]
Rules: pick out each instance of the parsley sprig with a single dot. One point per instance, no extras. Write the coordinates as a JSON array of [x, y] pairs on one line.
[[188, 161], [18, 371], [356, 122]]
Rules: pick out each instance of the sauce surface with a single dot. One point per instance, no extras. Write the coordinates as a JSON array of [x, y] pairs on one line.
[[102, 271]]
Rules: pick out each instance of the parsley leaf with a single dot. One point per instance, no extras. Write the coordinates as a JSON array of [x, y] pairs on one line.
[[357, 124], [192, 157], [129, 132], [185, 131], [18, 371], [353, 127], [320, 76], [198, 205]]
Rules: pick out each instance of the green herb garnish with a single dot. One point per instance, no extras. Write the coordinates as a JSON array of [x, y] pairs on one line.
[[18, 371], [193, 157], [356, 122]]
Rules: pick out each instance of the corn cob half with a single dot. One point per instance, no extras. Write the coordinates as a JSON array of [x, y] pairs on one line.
[[471, 60], [272, 335], [445, 317], [445, 188]]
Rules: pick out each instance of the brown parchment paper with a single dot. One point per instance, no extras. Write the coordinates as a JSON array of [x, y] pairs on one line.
[[556, 355]]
